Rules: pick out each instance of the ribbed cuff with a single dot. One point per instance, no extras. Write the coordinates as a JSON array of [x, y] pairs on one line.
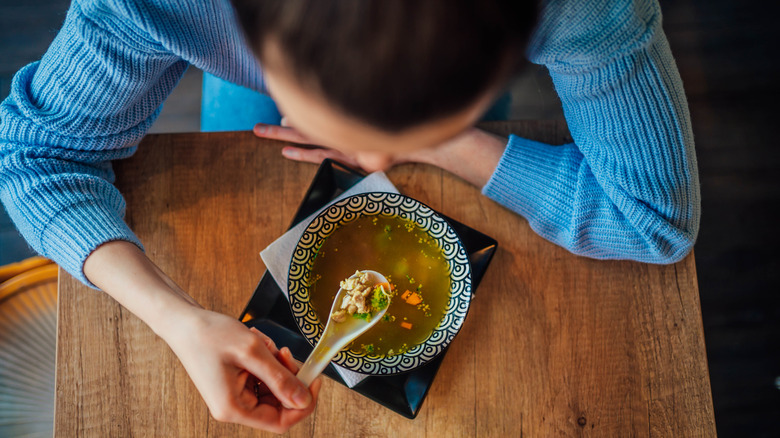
[[77, 231], [531, 177]]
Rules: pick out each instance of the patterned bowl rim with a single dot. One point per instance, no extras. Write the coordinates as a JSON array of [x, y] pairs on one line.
[[385, 204]]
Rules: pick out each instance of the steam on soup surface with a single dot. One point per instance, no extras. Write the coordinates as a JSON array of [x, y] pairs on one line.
[[413, 264]]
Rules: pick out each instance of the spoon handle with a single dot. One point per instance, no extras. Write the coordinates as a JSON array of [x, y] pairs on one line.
[[318, 359]]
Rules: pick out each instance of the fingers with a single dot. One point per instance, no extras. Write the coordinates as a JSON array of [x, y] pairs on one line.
[[292, 416], [284, 356], [280, 380], [287, 359], [279, 133], [268, 341], [274, 419], [247, 394], [310, 154], [280, 419], [268, 413], [316, 155]]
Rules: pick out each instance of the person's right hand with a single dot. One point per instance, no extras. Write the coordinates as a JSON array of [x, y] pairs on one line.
[[241, 375], [239, 372]]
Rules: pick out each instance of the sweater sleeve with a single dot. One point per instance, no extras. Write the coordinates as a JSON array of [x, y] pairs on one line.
[[627, 188], [88, 101]]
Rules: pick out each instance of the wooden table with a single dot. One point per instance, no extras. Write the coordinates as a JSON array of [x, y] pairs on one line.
[[554, 344]]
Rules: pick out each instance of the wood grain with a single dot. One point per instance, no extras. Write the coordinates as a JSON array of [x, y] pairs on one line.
[[554, 344]]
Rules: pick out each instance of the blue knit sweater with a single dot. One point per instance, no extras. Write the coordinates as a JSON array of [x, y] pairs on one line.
[[627, 188]]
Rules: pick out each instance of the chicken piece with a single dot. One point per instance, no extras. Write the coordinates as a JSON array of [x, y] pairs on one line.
[[339, 316], [351, 309], [345, 302], [360, 302], [349, 283]]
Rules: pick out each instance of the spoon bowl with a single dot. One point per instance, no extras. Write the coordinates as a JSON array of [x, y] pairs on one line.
[[338, 335]]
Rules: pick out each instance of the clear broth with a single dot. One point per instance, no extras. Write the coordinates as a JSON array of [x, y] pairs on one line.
[[405, 254]]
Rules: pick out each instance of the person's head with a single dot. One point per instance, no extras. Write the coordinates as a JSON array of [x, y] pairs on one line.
[[384, 77]]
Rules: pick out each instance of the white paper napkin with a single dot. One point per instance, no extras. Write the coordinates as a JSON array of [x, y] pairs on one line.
[[278, 254]]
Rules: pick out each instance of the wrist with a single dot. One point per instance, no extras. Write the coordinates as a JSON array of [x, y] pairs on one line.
[[167, 313], [473, 155], [122, 271]]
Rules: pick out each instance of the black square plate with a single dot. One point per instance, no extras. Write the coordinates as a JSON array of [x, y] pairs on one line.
[[269, 311]]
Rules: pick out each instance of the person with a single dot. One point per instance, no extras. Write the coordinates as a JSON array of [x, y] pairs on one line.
[[374, 84]]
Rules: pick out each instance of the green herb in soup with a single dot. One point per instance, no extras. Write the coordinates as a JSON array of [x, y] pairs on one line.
[[412, 262]]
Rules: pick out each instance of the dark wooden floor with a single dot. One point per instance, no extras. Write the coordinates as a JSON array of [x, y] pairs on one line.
[[726, 52]]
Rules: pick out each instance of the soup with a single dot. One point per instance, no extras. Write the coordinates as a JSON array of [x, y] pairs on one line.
[[414, 265]]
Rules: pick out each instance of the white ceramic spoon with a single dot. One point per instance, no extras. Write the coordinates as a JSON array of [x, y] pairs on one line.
[[338, 334]]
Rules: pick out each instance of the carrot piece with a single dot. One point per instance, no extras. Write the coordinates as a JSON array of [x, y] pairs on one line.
[[406, 295], [406, 325], [414, 299]]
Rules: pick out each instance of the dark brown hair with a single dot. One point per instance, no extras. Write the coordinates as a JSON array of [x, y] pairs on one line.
[[394, 63]]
